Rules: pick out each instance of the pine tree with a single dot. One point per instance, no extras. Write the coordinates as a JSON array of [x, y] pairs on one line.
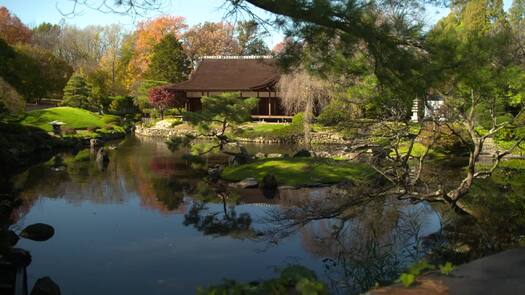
[[517, 24], [517, 13], [169, 62], [76, 92]]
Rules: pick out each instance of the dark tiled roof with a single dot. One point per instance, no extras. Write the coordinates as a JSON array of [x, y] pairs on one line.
[[231, 74]]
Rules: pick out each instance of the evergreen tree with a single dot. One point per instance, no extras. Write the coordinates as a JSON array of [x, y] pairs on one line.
[[76, 92], [250, 38], [517, 24], [169, 62]]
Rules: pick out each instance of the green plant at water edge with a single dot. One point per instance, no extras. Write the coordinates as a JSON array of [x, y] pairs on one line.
[[293, 279], [409, 278], [446, 268]]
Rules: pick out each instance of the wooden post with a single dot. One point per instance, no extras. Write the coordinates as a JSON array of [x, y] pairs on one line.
[[269, 104]]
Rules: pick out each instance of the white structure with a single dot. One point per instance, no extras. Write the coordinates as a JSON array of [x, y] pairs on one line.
[[415, 111], [431, 108]]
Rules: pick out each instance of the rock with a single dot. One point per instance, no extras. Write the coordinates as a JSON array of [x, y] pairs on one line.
[[38, 232], [260, 156], [269, 186], [93, 143], [45, 286], [19, 257], [287, 187], [270, 193], [102, 156], [12, 238], [239, 159], [274, 156], [462, 248], [346, 184], [302, 154], [246, 183], [215, 172], [321, 155], [232, 161], [269, 182]]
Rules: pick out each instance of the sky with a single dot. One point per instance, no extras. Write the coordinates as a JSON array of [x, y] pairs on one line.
[[34, 12]]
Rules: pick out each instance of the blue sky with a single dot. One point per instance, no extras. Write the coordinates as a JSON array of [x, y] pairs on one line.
[[34, 12]]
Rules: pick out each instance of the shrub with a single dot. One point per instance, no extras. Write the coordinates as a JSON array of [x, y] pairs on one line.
[[298, 119], [111, 119], [122, 105], [92, 129], [10, 100], [446, 141], [333, 114]]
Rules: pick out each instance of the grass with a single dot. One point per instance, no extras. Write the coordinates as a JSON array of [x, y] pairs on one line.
[[508, 144], [253, 130], [301, 171], [418, 150], [73, 117], [516, 164]]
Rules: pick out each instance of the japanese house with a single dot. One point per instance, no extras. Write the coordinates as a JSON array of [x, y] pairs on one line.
[[251, 76]]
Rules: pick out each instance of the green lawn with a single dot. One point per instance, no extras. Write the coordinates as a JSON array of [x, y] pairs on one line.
[[273, 130], [301, 171], [73, 117], [418, 150]]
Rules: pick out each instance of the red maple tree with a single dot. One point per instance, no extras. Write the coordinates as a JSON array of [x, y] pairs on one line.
[[163, 98]]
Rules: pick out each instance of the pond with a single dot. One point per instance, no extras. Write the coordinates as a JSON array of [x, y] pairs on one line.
[[148, 224]]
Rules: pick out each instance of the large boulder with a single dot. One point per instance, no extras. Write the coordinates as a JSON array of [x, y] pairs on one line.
[[38, 232], [246, 183], [269, 182], [269, 186], [239, 159], [45, 286], [260, 156]]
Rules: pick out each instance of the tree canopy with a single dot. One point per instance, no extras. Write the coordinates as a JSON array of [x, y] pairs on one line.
[[169, 62]]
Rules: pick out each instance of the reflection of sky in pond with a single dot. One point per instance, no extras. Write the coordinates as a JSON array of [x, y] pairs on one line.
[[119, 230]]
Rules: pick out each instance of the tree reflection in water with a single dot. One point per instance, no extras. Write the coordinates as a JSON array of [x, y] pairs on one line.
[[14, 260], [363, 241], [217, 223]]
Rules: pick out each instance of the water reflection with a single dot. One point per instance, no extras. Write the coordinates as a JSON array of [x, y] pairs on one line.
[[362, 242], [148, 223], [15, 260]]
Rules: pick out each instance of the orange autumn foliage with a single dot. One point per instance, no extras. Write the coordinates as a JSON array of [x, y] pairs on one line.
[[12, 30], [148, 34], [211, 39]]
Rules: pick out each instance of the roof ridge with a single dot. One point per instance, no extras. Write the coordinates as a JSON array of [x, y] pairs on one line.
[[236, 57]]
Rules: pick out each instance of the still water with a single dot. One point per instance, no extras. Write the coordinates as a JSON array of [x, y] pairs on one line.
[[148, 224]]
